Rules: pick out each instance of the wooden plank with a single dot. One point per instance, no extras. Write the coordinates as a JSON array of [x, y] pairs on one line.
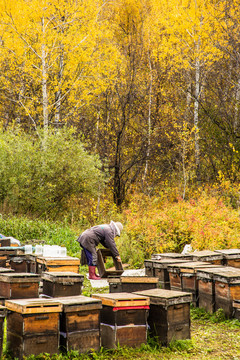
[[122, 299], [31, 306]]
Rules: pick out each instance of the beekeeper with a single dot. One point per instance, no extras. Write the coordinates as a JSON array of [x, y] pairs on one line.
[[103, 234]]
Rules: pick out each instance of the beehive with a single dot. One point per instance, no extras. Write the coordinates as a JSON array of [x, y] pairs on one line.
[[206, 288], [19, 285], [23, 263], [161, 271], [57, 284], [80, 323], [51, 264], [169, 314], [33, 326], [212, 257], [231, 257], [123, 319], [227, 289]]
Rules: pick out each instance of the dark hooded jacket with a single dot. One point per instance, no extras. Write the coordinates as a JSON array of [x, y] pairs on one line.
[[103, 234]]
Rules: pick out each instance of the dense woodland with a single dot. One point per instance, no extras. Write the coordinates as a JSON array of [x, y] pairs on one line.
[[119, 105]]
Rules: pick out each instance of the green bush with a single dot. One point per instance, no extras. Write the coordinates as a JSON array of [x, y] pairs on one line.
[[46, 179]]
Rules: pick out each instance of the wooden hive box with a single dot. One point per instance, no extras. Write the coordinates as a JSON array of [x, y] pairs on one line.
[[23, 263], [3, 314], [57, 284], [188, 273], [212, 257], [227, 289], [169, 314], [149, 270], [206, 288], [161, 271], [102, 254], [132, 283], [123, 319], [51, 264], [231, 257], [19, 285], [80, 323], [32, 326]]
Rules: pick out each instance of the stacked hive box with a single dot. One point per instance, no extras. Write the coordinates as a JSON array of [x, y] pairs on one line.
[[231, 257], [206, 288], [19, 285], [212, 257], [132, 283], [186, 274], [169, 314], [227, 289], [160, 268], [80, 323], [23, 263], [148, 264], [32, 326], [123, 319], [58, 284], [51, 264]]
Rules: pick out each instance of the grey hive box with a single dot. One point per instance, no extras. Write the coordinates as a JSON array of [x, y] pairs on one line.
[[212, 257], [65, 283], [80, 323], [231, 257], [123, 319], [169, 314]]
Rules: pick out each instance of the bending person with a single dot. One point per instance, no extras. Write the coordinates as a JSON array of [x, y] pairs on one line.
[[103, 234]]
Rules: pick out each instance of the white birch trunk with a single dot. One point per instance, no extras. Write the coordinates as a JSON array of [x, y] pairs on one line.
[[196, 110], [44, 85], [58, 93], [149, 120]]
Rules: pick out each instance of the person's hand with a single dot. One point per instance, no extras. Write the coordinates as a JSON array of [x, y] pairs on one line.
[[118, 258]]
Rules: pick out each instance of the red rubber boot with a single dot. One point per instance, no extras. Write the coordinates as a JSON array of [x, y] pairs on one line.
[[92, 275]]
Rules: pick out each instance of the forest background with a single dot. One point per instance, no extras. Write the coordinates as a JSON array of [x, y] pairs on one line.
[[125, 110]]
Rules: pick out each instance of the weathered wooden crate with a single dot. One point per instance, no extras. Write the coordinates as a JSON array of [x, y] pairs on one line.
[[23, 263], [212, 257], [5, 242], [103, 272], [206, 288], [169, 314], [227, 289], [132, 283], [80, 323], [3, 260], [56, 284], [32, 326], [149, 270], [19, 285], [161, 271], [231, 257], [123, 319], [188, 273], [3, 314], [51, 264]]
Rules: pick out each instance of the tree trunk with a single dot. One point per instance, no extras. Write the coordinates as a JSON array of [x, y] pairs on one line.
[[44, 85]]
